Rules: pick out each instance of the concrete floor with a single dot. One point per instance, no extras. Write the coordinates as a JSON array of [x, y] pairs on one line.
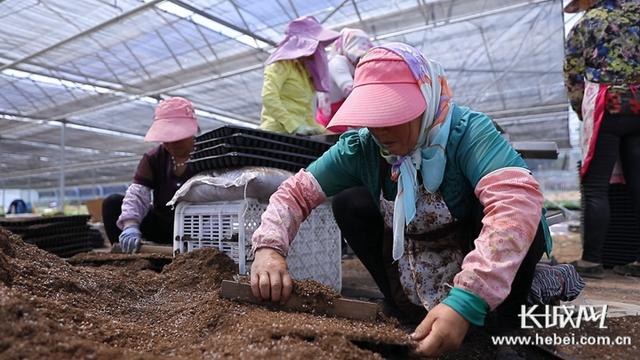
[[621, 293]]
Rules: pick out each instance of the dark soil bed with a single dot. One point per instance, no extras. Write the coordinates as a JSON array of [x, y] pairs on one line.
[[106, 306], [616, 329]]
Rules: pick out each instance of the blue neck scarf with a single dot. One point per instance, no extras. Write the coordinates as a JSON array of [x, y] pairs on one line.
[[428, 156]]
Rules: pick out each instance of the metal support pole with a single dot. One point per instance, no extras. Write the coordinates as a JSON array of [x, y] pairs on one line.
[[62, 165], [222, 22], [30, 190], [93, 183], [89, 31]]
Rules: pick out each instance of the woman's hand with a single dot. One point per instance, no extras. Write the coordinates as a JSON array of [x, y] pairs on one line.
[[270, 278], [441, 331], [130, 239]]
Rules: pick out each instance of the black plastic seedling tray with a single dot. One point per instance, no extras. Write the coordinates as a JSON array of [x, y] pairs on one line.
[[223, 149], [55, 240], [21, 223], [255, 141], [69, 244], [60, 235], [622, 240], [80, 244], [228, 130], [51, 229], [237, 159]]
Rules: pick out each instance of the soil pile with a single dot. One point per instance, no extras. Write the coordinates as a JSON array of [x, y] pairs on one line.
[[619, 340], [111, 306], [51, 309]]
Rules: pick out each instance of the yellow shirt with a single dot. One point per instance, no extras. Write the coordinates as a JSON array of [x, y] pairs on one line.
[[287, 97]]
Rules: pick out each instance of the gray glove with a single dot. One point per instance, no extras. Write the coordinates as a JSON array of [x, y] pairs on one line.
[[130, 239]]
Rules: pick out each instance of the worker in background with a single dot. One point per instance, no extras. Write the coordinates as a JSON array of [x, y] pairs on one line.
[[602, 76], [343, 59], [292, 75], [460, 227], [18, 206], [142, 211]]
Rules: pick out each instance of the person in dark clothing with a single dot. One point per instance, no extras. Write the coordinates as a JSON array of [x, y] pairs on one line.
[[137, 215], [602, 76], [18, 206]]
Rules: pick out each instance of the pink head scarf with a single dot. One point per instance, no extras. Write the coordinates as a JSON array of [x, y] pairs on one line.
[[352, 43]]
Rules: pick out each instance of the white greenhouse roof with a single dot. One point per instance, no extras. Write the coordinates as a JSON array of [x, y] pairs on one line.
[[100, 66]]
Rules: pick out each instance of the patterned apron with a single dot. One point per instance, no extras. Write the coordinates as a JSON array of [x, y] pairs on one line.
[[432, 254]]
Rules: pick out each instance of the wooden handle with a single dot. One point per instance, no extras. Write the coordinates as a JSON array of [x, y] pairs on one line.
[[157, 249], [341, 307]]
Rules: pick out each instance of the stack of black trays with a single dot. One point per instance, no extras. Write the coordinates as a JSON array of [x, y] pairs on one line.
[[623, 235], [62, 235], [231, 146]]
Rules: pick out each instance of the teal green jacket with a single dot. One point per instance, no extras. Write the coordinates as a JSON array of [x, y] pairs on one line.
[[475, 149]]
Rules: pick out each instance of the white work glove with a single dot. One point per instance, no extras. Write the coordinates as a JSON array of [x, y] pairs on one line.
[[324, 103], [130, 239], [306, 130]]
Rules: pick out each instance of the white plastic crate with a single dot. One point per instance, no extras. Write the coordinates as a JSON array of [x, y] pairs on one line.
[[228, 226]]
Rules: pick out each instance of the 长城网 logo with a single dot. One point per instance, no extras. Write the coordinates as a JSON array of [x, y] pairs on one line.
[[561, 316]]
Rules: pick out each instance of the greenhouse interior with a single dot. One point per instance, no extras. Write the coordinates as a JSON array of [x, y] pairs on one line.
[[156, 152]]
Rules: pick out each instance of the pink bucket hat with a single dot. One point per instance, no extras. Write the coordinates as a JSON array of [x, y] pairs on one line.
[[302, 37], [385, 93], [309, 27], [174, 120]]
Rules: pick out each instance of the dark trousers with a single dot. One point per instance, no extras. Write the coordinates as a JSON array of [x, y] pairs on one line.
[[619, 135], [154, 227], [362, 225]]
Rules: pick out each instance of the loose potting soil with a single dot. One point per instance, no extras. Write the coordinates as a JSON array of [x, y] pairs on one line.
[[110, 306], [51, 309]]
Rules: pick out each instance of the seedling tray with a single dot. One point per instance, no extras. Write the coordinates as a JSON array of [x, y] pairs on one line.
[[237, 159], [223, 149], [257, 142], [303, 142]]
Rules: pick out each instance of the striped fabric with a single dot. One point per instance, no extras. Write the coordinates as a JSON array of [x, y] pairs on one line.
[[554, 283]]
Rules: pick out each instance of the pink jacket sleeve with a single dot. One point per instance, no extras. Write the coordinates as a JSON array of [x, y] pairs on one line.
[[512, 204], [135, 205], [288, 207]]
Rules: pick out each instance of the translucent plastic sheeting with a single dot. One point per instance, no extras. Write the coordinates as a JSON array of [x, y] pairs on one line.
[[29, 26], [506, 64], [98, 63], [238, 94]]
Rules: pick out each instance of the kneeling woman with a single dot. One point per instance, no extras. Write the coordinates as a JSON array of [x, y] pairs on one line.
[[161, 171], [462, 212]]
